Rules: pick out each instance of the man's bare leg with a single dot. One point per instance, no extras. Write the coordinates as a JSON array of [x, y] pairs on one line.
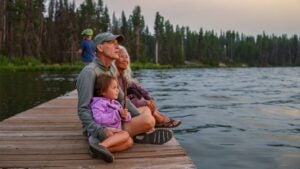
[[141, 123]]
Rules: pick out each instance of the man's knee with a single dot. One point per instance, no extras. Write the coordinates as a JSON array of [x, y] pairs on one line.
[[129, 142], [149, 121]]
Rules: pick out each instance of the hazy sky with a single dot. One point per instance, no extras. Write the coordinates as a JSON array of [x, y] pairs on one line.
[[245, 16]]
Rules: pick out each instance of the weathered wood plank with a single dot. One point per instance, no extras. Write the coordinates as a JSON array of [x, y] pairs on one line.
[[42, 138], [50, 136], [40, 127], [81, 153], [170, 162]]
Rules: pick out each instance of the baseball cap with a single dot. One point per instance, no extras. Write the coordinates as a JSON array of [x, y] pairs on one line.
[[88, 32], [107, 36]]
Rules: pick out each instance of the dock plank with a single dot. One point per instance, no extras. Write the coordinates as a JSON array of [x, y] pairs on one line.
[[50, 136]]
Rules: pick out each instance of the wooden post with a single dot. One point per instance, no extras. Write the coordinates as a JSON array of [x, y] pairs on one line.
[[156, 52]]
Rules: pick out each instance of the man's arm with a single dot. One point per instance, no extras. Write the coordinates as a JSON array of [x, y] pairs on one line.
[[85, 89], [131, 108]]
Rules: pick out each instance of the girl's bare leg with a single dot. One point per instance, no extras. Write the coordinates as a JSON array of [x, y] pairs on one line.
[[116, 139], [122, 146]]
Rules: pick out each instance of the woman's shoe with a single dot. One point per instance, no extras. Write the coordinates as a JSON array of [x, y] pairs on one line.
[[170, 124]]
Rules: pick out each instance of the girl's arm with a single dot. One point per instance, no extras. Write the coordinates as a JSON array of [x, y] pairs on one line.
[[97, 108]]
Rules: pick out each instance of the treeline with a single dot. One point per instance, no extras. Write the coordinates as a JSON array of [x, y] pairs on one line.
[[52, 35]]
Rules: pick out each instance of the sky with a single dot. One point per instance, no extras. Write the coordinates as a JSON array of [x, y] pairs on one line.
[[250, 17]]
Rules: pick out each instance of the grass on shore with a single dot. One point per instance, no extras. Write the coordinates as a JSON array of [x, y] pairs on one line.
[[32, 64]]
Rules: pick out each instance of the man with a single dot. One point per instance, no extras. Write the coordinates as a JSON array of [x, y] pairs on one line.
[[142, 122], [87, 46]]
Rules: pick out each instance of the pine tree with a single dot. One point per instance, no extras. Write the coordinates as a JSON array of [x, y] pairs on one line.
[[159, 33], [3, 27], [138, 24]]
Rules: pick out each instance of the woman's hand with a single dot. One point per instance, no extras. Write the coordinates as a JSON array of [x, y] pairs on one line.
[[151, 105], [123, 113]]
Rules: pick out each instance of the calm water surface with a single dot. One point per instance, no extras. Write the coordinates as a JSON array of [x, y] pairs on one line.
[[232, 118]]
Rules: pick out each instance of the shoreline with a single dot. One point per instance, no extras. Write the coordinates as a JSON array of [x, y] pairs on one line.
[[135, 66]]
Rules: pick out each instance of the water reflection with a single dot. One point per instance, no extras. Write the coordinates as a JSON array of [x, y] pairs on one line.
[[224, 128], [22, 90]]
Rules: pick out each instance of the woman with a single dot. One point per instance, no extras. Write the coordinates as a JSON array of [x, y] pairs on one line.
[[138, 95]]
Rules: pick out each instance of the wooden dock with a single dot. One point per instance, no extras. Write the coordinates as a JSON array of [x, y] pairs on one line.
[[50, 136]]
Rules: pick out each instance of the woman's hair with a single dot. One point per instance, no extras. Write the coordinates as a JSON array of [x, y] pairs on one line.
[[102, 83], [127, 74]]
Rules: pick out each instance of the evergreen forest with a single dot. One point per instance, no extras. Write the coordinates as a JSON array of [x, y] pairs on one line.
[[50, 31]]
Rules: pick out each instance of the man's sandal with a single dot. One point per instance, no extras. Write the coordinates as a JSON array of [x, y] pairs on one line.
[[99, 151], [170, 124], [158, 136]]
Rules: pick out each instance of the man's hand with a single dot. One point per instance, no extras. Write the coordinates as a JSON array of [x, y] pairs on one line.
[[151, 105], [112, 131], [123, 113]]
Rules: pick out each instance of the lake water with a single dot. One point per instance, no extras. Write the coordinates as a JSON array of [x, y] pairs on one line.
[[232, 117], [20, 91]]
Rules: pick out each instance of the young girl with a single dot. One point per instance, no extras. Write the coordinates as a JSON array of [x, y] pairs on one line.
[[109, 113]]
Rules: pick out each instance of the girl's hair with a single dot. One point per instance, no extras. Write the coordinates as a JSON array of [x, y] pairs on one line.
[[102, 83], [127, 74]]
